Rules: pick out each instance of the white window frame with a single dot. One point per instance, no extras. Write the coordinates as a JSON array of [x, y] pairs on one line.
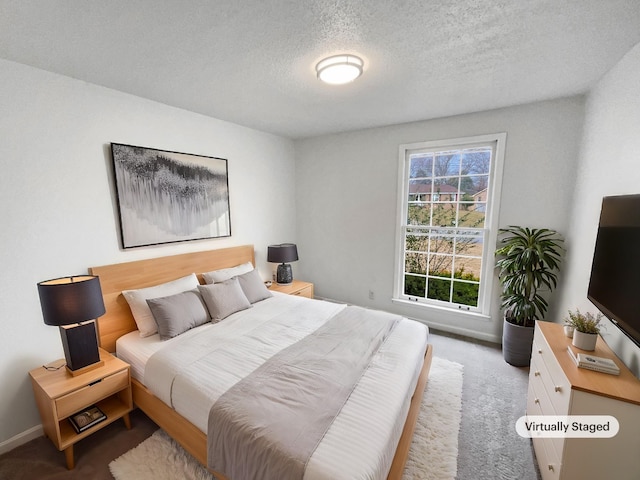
[[491, 220]]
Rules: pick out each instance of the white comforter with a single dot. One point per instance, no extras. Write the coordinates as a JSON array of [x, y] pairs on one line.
[[200, 366]]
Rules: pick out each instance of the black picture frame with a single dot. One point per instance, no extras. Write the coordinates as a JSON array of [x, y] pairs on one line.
[[165, 196]]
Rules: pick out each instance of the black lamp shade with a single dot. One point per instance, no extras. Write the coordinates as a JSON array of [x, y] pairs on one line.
[[72, 301], [283, 253], [69, 300]]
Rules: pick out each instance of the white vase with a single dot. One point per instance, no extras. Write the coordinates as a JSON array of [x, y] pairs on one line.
[[585, 341]]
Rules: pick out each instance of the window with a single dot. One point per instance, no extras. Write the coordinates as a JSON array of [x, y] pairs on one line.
[[447, 221]]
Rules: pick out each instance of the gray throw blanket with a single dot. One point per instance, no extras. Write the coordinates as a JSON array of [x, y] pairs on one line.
[[267, 425]]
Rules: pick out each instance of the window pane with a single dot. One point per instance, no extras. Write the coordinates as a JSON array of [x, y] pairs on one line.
[[420, 165], [469, 248], [447, 188], [439, 289], [444, 215], [442, 241], [465, 293], [469, 216], [416, 241], [476, 161], [414, 286], [416, 263], [419, 214], [420, 190], [447, 164], [474, 186], [440, 265]]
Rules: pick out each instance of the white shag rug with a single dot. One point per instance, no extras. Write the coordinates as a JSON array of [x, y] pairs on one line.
[[433, 454]]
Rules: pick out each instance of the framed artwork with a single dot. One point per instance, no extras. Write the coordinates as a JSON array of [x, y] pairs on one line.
[[166, 196]]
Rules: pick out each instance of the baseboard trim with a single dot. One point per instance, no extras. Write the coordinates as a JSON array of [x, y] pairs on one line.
[[487, 337], [21, 439]]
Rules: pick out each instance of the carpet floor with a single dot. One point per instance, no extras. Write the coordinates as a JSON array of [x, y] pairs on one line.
[[432, 456]]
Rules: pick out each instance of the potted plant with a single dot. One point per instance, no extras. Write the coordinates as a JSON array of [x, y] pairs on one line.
[[528, 260], [586, 327]]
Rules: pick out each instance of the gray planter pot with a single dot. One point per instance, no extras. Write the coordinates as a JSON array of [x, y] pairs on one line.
[[516, 344]]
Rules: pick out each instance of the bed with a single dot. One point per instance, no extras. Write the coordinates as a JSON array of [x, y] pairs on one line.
[[187, 427]]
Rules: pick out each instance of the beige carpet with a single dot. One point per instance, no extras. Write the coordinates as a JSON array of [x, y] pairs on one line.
[[433, 454]]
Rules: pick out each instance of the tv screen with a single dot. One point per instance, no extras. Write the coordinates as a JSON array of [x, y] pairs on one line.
[[614, 286]]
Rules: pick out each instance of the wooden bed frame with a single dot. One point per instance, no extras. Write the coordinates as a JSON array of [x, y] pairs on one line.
[[118, 321]]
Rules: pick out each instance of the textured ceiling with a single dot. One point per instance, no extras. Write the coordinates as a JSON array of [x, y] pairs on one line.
[[252, 62]]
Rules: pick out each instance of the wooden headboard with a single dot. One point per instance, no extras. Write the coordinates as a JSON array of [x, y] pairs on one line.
[[117, 320]]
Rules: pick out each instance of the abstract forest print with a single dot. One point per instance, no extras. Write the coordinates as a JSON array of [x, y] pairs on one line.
[[167, 196]]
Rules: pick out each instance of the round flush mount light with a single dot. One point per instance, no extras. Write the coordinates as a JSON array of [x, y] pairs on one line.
[[339, 69]]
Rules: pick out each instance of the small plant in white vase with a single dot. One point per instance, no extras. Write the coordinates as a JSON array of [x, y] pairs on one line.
[[586, 327]]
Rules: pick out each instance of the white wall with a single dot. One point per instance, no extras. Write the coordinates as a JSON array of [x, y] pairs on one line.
[[57, 209], [609, 165], [346, 196]]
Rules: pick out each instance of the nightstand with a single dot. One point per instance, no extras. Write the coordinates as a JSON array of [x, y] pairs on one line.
[[60, 395], [297, 287]]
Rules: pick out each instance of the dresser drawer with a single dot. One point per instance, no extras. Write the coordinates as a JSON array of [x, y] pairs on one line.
[[538, 403], [549, 370], [538, 394], [548, 463], [85, 396]]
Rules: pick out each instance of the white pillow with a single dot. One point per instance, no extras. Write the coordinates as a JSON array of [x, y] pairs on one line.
[[137, 300], [219, 276]]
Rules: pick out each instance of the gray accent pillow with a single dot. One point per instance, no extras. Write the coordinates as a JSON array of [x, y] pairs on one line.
[[137, 300], [178, 313], [224, 298], [253, 286]]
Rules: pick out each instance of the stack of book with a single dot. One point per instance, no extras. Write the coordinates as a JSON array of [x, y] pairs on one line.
[[591, 362], [87, 418]]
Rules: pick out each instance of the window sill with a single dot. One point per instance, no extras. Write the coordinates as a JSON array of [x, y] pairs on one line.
[[442, 310]]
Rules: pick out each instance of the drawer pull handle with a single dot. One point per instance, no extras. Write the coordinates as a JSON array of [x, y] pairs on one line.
[[96, 382], [558, 388], [540, 351], [550, 467], [537, 400], [536, 373]]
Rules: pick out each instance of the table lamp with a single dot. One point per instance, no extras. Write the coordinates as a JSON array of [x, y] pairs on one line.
[[283, 253], [73, 303]]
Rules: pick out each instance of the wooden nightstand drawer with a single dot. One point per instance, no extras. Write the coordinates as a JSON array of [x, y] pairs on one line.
[[297, 287], [75, 401], [305, 292]]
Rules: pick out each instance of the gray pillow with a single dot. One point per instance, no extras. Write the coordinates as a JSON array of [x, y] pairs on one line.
[[224, 298], [253, 286], [178, 313]]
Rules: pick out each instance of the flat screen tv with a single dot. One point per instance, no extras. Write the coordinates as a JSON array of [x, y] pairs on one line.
[[614, 286]]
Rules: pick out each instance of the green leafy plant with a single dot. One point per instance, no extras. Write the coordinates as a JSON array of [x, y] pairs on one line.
[[527, 259], [584, 322]]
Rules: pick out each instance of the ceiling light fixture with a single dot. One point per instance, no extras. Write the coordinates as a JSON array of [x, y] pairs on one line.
[[339, 69]]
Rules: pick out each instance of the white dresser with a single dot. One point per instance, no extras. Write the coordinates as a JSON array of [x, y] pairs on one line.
[[558, 387]]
